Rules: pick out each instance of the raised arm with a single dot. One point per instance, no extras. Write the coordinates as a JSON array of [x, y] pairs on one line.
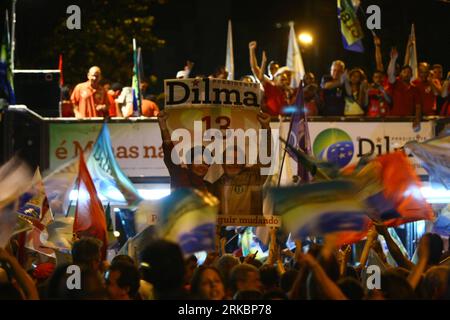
[[445, 86], [391, 66], [341, 79], [371, 236], [420, 267], [23, 279], [257, 71], [378, 57], [435, 84], [329, 288], [395, 251]]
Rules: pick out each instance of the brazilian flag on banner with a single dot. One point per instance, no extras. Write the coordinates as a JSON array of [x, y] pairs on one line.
[[350, 27]]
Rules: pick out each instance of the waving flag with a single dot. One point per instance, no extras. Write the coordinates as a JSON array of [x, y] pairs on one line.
[[89, 213], [15, 177], [350, 27], [411, 53], [229, 62], [6, 74], [391, 188], [58, 184], [294, 59], [136, 85], [33, 205], [110, 181], [435, 157], [188, 217], [442, 224], [320, 208], [299, 136], [60, 67]]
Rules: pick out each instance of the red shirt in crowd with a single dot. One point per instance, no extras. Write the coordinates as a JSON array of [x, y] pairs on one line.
[[378, 106], [404, 98], [88, 98], [113, 112], [427, 97], [276, 99]]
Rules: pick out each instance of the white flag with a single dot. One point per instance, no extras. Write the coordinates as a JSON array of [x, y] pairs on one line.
[[229, 63], [294, 59], [411, 53]]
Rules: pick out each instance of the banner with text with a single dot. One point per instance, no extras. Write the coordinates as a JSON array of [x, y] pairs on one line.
[[137, 146]]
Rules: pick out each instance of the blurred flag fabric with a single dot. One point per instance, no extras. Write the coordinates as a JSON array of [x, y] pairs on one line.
[[33, 205], [109, 179], [435, 157], [350, 27], [60, 67], [90, 218], [320, 208], [136, 86], [15, 177], [188, 217], [391, 188], [442, 224], [294, 59], [229, 61], [58, 184], [6, 73], [299, 136], [411, 53]]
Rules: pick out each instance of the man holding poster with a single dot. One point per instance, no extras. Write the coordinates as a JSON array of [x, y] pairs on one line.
[[221, 121]]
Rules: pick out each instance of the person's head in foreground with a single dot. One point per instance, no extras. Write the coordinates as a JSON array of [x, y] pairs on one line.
[[207, 284]]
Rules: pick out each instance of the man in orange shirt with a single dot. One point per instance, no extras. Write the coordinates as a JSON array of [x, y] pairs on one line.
[[149, 107], [90, 98]]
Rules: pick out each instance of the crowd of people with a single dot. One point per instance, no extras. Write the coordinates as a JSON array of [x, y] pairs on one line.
[[391, 92], [317, 270], [97, 98]]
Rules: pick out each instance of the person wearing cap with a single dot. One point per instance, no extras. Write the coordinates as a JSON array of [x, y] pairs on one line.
[[278, 93]]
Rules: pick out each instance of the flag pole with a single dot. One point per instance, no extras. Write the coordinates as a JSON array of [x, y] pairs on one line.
[[13, 34], [284, 152]]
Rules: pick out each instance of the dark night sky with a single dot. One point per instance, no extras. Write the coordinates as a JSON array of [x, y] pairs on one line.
[[196, 30]]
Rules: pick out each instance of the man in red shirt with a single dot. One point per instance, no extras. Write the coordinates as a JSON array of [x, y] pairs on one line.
[[113, 94], [90, 98], [428, 88], [405, 96]]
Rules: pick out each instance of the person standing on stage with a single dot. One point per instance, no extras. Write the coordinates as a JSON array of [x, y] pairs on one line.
[[90, 98]]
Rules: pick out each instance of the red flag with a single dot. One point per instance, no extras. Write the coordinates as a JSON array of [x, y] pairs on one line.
[[399, 201], [89, 214], [60, 67]]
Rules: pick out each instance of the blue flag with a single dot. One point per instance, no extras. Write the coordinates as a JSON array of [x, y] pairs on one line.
[[320, 208], [188, 217], [350, 27], [109, 179], [435, 157], [299, 135]]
